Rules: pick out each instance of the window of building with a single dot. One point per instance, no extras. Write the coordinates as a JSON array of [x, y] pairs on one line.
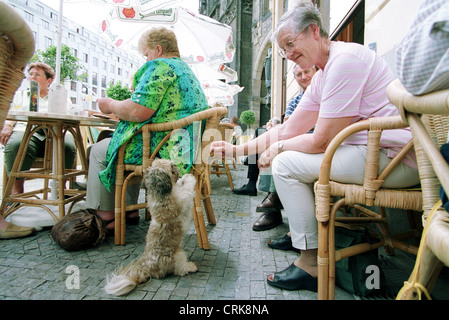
[[73, 85], [40, 9], [29, 17], [48, 42], [45, 24], [94, 78], [265, 7], [85, 57], [95, 61], [103, 84], [54, 16]]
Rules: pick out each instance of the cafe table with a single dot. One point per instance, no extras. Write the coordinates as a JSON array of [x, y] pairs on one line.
[[53, 173]]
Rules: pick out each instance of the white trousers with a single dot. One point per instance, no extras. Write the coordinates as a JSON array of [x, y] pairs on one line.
[[97, 196], [294, 175]]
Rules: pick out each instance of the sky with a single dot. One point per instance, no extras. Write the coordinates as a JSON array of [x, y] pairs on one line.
[[75, 10]]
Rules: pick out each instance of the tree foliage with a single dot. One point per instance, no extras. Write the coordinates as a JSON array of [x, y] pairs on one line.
[[248, 117], [118, 91], [71, 69]]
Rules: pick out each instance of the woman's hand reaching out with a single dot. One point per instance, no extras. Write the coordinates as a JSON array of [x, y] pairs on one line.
[[222, 150], [267, 156]]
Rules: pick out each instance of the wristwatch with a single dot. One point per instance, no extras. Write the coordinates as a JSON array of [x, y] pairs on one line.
[[280, 146]]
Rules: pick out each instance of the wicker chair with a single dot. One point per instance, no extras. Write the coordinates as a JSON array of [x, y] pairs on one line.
[[127, 174], [219, 167], [16, 49], [362, 200], [428, 116]]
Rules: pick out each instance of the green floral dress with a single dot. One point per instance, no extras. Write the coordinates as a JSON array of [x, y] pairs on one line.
[[169, 87]]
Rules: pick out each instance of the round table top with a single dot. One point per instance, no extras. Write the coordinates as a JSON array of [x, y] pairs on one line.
[[93, 120]]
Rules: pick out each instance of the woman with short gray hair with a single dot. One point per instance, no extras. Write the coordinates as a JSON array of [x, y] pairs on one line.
[[350, 86]]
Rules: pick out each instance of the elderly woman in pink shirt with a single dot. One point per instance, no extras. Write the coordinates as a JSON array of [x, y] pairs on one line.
[[350, 86]]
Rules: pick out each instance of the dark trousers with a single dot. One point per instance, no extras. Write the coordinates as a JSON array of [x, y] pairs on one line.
[[253, 168]]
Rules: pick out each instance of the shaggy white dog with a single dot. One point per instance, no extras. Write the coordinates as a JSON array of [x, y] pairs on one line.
[[170, 202]]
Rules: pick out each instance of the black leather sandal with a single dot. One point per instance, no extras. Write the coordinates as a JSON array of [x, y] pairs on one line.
[[294, 278], [284, 243]]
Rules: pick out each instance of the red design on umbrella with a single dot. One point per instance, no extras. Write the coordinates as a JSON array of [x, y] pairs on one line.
[[129, 12]]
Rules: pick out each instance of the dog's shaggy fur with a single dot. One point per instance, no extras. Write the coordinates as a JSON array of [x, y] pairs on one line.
[[170, 202]]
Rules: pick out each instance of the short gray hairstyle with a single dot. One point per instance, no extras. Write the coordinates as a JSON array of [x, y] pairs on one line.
[[275, 120], [299, 18]]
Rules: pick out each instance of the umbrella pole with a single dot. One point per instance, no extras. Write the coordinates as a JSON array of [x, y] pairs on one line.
[[58, 48]]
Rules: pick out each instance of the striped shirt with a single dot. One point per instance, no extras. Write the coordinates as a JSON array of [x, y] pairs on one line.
[[292, 104], [353, 84]]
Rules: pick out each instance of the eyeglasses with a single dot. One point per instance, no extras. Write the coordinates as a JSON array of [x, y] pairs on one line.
[[145, 55], [35, 74], [288, 47]]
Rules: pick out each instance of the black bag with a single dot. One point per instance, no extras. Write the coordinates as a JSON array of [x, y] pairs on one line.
[[444, 199], [79, 230], [351, 273]]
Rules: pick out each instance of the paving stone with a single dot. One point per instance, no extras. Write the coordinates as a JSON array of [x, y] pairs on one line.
[[235, 267]]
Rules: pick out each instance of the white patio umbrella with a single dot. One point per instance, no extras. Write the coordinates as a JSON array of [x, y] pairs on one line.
[[200, 39], [204, 43], [205, 71], [217, 91]]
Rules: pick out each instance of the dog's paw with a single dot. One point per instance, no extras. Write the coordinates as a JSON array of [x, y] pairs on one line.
[[186, 268], [192, 267]]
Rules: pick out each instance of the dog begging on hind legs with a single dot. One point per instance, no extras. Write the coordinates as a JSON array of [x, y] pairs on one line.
[[170, 201]]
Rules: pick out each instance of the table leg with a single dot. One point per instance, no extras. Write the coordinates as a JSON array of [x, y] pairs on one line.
[[15, 168]]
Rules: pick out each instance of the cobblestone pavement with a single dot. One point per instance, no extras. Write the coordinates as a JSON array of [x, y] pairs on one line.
[[235, 268]]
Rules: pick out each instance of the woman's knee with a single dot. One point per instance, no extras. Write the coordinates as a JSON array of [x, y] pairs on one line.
[[98, 150], [295, 165], [12, 146]]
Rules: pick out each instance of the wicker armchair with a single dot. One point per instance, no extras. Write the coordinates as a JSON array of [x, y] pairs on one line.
[[127, 173], [362, 200], [219, 167], [16, 49], [428, 116]]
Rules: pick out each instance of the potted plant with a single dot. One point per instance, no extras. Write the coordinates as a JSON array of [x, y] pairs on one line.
[[248, 118]]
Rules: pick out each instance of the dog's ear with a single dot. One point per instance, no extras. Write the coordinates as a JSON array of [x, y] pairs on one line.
[[158, 181]]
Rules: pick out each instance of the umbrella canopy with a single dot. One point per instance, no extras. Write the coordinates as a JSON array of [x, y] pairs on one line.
[[200, 39], [205, 44], [205, 71], [217, 91]]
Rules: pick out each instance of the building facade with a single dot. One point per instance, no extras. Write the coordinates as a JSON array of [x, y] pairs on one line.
[[267, 78], [102, 63], [237, 14]]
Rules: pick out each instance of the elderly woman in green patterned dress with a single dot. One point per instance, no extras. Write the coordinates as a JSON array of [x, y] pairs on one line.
[[165, 89]]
